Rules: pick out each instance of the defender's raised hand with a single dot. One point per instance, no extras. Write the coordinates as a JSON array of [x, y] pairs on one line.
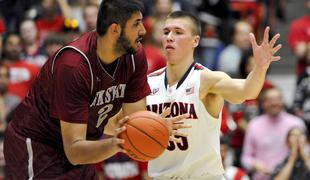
[[264, 53]]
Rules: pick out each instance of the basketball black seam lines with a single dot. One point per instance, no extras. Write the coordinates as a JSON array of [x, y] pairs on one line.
[[148, 117], [132, 145], [146, 133]]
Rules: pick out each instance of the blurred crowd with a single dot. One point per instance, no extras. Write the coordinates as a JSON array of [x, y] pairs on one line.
[[261, 138]]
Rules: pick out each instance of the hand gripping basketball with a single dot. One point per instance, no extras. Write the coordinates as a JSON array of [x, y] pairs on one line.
[[116, 141], [174, 124], [146, 135]]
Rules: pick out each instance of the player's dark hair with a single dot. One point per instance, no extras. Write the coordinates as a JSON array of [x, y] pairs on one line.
[[184, 14], [116, 11]]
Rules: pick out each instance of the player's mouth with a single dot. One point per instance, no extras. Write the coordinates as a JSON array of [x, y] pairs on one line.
[[169, 48]]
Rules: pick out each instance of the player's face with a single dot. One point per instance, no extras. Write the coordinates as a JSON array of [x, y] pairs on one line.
[[130, 39], [178, 40]]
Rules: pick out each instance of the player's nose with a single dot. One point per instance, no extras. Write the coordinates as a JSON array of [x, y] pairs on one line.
[[143, 30]]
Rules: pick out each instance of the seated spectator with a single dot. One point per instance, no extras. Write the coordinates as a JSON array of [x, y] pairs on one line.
[[8, 103], [249, 10], [153, 48], [31, 44], [299, 39], [230, 57], [22, 73], [90, 12], [296, 165], [50, 20], [160, 11], [53, 43], [302, 94], [264, 145]]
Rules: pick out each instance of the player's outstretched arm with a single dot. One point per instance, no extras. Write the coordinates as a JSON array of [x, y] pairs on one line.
[[238, 90], [81, 151]]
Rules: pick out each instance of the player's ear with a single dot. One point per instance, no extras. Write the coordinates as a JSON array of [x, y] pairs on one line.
[[115, 29], [196, 41]]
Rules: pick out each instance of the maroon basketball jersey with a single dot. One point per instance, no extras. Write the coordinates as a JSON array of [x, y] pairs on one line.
[[74, 86]]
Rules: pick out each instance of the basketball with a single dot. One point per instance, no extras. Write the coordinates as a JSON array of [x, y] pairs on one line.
[[146, 135]]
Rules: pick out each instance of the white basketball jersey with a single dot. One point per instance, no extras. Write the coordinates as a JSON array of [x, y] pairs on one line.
[[198, 155]]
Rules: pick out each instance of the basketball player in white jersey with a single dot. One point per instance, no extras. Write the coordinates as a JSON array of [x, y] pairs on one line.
[[188, 87]]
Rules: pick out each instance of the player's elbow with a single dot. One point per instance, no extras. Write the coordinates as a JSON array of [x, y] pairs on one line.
[[249, 96], [72, 158], [237, 99]]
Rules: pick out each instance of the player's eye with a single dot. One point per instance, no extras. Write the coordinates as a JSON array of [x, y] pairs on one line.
[[166, 32]]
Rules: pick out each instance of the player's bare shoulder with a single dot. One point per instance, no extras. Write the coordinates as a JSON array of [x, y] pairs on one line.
[[208, 79]]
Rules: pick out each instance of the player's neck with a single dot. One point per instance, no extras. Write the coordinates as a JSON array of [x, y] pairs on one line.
[[106, 50], [176, 71]]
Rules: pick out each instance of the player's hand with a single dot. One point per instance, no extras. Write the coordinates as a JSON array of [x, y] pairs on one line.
[[116, 140], [264, 53], [174, 124]]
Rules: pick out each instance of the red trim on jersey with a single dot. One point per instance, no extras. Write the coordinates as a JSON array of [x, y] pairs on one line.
[[157, 73], [199, 66]]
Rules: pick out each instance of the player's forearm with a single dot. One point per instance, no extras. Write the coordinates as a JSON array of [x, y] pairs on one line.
[[89, 152], [254, 82]]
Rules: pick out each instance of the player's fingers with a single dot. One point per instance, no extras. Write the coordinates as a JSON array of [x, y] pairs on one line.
[[181, 126], [166, 112], [274, 40], [122, 121], [276, 58], [179, 118], [118, 141], [117, 131], [174, 139], [266, 35], [276, 49], [177, 133], [253, 40]]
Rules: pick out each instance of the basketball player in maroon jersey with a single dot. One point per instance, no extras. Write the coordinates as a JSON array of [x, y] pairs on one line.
[[56, 129]]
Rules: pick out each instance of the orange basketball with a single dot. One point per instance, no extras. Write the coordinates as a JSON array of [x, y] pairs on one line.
[[146, 135]]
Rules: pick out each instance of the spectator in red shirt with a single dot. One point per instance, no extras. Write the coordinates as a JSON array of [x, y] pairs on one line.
[[31, 44], [22, 73], [153, 49], [299, 38], [50, 20]]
